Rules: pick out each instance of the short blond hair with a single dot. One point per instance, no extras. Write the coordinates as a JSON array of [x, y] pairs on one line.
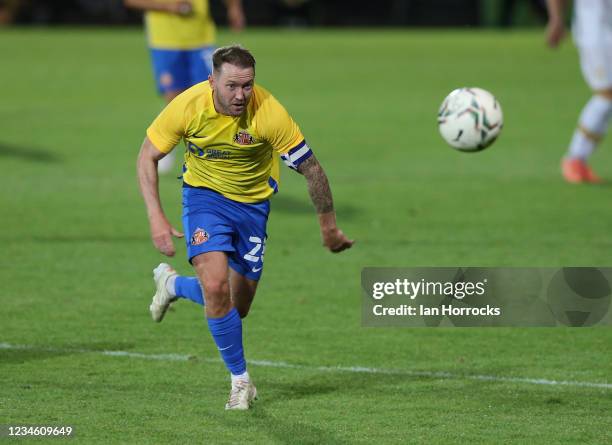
[[235, 55]]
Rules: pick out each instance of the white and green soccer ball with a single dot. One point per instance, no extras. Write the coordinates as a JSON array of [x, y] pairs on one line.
[[470, 119]]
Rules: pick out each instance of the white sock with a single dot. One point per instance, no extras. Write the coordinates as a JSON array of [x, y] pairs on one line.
[[594, 118], [170, 285], [581, 146], [244, 377]]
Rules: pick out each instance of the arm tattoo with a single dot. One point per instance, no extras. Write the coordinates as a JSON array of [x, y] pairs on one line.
[[318, 186]]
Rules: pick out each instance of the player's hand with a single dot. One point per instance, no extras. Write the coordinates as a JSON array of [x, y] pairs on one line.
[[183, 8], [162, 233], [555, 31], [335, 240], [235, 17]]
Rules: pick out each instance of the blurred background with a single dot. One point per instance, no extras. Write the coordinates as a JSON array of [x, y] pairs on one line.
[[486, 13], [364, 80]]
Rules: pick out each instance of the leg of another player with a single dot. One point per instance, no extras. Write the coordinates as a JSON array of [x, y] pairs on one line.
[[592, 126]]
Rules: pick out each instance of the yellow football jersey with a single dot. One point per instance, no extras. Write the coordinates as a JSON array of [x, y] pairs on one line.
[[236, 156], [171, 31]]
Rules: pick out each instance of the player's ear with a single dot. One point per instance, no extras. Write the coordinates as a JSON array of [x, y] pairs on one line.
[[211, 80]]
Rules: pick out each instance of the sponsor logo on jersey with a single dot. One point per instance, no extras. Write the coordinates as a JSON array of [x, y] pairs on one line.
[[212, 153], [209, 153], [199, 236]]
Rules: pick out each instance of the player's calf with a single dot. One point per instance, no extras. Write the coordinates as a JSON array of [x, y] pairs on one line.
[[243, 292], [592, 126], [243, 308]]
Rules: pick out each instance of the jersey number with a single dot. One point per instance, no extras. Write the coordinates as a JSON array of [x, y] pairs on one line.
[[259, 245]]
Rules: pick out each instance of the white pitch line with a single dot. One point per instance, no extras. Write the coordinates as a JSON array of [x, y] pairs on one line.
[[346, 369]]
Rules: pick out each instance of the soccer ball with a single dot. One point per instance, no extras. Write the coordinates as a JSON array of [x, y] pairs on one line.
[[470, 119]]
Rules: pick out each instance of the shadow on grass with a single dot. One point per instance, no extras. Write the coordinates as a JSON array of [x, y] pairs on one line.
[[295, 432], [92, 238], [268, 414], [288, 204], [28, 154], [18, 354], [304, 389]]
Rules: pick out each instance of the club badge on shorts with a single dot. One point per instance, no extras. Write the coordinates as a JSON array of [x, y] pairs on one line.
[[199, 236]]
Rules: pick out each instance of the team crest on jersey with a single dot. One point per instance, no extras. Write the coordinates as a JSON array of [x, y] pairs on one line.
[[199, 236], [243, 138]]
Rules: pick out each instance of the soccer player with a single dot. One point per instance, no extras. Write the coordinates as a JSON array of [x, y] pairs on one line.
[[181, 34], [592, 30], [233, 130]]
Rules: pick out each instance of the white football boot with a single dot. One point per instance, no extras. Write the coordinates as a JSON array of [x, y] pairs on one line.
[[242, 395], [162, 298]]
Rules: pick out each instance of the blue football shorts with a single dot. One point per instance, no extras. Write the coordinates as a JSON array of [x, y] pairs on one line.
[[214, 223], [177, 70]]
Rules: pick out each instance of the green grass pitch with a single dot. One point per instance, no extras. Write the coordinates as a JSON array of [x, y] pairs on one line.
[[75, 269]]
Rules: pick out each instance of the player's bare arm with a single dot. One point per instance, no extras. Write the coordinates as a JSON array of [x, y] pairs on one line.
[[235, 15], [321, 196], [161, 229], [555, 29], [318, 185], [179, 7]]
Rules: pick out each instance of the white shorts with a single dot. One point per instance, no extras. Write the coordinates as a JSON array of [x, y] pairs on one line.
[[596, 64], [592, 30]]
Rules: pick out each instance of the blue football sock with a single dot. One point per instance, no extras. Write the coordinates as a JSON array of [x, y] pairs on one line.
[[227, 332], [189, 288]]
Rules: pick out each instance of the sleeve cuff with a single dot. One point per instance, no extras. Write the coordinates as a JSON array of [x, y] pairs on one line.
[[294, 157], [158, 141]]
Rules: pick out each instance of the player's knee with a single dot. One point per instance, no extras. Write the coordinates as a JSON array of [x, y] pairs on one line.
[[218, 301], [605, 94], [217, 289]]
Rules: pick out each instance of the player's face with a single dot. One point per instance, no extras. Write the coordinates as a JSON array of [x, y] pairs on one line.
[[232, 89]]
